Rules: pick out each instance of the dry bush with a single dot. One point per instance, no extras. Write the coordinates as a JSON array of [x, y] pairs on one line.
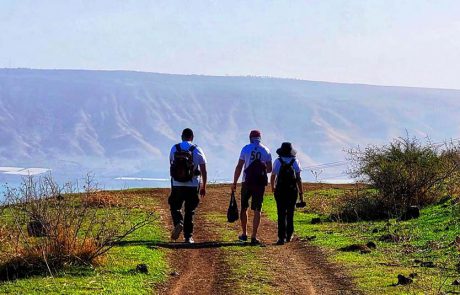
[[358, 205], [320, 205], [103, 199], [51, 227]]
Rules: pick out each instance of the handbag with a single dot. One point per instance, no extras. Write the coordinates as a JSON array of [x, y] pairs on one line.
[[232, 211]]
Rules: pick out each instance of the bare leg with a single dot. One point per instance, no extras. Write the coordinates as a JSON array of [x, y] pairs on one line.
[[256, 223], [244, 221]]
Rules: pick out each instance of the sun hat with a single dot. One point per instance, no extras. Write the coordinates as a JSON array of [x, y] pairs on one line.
[[286, 150]]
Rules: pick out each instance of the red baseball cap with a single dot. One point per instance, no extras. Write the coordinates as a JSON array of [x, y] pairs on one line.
[[254, 133]]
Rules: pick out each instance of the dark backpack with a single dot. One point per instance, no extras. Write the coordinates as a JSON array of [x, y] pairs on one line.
[[182, 168], [287, 178], [256, 173]]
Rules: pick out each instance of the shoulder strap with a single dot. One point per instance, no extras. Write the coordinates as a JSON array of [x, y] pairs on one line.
[[192, 148], [178, 148], [292, 162], [281, 161]]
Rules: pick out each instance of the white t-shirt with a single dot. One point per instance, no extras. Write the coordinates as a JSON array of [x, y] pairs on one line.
[[253, 151], [287, 160], [198, 159]]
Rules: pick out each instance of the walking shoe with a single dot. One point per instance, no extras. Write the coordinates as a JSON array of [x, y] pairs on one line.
[[280, 242], [243, 238], [288, 239], [255, 241], [189, 240], [176, 231]]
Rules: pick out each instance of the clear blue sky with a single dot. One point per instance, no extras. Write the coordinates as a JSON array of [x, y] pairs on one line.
[[414, 43]]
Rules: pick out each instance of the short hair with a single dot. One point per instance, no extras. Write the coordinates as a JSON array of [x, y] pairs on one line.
[[187, 133]]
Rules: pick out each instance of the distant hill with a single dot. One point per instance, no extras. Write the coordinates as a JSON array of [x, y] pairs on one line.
[[118, 123]]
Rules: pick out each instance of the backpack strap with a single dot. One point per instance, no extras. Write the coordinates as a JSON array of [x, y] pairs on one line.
[[178, 148], [281, 161], [290, 163], [192, 149]]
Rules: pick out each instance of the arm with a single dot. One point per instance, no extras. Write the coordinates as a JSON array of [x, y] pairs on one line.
[[236, 176], [269, 166], [299, 185], [272, 181], [204, 176]]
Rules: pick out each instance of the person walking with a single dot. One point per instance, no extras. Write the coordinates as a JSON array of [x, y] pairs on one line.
[[188, 181], [287, 185], [257, 162]]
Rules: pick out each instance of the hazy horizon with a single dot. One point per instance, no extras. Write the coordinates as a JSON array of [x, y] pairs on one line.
[[230, 76]]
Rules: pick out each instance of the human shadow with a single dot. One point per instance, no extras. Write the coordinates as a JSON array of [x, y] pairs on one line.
[[180, 245]]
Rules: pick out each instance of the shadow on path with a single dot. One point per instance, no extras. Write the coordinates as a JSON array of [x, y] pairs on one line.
[[181, 245]]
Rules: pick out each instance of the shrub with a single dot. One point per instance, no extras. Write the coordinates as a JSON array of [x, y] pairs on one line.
[[48, 227], [102, 199], [406, 172], [359, 205]]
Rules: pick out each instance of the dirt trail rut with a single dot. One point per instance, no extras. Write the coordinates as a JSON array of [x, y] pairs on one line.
[[297, 267]]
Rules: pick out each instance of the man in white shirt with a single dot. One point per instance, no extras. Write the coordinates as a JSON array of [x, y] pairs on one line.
[[287, 185], [188, 179], [257, 162]]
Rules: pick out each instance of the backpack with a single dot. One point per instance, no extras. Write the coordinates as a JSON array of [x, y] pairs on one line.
[[256, 173], [287, 178], [182, 168]]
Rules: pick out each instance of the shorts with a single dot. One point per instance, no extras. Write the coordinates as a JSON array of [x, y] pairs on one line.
[[254, 192]]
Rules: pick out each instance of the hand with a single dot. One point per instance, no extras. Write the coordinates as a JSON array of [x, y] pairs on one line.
[[202, 192], [234, 187]]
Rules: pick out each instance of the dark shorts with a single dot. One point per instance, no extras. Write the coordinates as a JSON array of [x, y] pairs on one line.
[[254, 192]]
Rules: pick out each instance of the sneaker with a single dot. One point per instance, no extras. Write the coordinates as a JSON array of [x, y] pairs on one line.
[[243, 238], [288, 239], [280, 242], [176, 231], [255, 241], [189, 240]]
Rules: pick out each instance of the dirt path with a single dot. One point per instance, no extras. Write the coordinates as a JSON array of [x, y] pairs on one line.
[[296, 268]]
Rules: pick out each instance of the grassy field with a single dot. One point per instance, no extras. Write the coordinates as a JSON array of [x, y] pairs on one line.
[[115, 275], [423, 241], [425, 246]]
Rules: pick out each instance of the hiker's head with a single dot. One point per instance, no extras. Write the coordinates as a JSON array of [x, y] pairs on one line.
[[254, 136], [187, 134], [286, 150]]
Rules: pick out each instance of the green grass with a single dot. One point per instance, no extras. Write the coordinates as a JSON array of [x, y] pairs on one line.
[[428, 238], [115, 275], [247, 272]]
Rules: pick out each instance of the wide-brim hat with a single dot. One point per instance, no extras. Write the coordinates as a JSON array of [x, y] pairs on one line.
[[286, 150]]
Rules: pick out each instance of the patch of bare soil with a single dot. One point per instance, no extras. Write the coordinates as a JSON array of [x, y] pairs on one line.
[[297, 267]]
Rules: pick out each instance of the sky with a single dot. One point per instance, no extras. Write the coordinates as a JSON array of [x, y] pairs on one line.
[[386, 42]]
